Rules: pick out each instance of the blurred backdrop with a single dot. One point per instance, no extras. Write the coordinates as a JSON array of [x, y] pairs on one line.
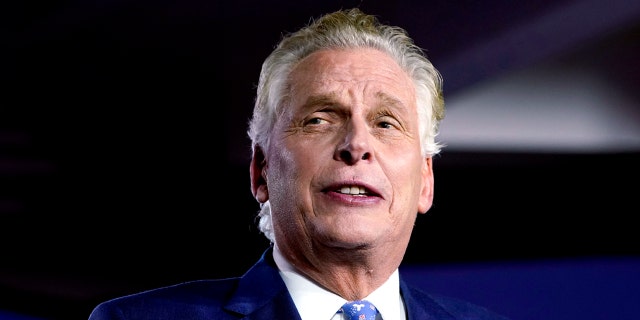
[[124, 154]]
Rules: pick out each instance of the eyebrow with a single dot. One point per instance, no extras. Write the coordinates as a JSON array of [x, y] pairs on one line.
[[321, 99], [391, 101], [330, 99]]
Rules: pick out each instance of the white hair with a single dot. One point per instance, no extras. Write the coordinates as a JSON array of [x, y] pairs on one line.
[[339, 30]]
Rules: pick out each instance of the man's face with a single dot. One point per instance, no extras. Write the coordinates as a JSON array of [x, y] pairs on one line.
[[344, 169]]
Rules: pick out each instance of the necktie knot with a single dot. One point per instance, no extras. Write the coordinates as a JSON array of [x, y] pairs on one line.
[[359, 310]]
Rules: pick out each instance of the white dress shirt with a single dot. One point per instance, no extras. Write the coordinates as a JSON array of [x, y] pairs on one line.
[[316, 303]]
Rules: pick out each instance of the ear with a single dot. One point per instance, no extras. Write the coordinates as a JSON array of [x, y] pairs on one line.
[[426, 193], [258, 173]]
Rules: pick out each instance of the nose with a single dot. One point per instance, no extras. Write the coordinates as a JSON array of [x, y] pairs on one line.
[[355, 146]]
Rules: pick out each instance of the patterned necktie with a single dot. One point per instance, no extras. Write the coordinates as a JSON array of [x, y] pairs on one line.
[[359, 310]]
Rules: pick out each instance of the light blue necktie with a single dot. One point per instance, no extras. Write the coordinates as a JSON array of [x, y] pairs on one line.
[[359, 310]]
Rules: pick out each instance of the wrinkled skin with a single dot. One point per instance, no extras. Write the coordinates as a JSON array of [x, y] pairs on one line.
[[351, 124]]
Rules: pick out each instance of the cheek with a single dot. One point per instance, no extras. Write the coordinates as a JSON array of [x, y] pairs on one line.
[[404, 169], [298, 155], [287, 160], [287, 171], [406, 178]]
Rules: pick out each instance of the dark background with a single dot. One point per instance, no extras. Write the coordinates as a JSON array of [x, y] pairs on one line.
[[124, 155]]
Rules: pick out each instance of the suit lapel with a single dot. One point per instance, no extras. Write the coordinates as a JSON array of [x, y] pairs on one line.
[[421, 306], [261, 293]]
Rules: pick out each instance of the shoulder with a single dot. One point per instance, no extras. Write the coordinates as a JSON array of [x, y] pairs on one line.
[[446, 307], [220, 299], [196, 299], [189, 291]]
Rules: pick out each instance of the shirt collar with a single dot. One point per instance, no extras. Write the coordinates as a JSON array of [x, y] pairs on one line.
[[315, 302]]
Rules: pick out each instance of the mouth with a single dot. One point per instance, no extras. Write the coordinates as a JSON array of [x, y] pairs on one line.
[[356, 190], [353, 190]]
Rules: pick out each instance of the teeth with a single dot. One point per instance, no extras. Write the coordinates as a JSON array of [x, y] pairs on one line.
[[355, 190]]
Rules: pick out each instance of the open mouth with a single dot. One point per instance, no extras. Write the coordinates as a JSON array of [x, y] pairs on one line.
[[353, 190]]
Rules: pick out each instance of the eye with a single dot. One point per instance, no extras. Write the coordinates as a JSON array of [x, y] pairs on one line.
[[385, 125], [388, 122], [319, 117], [315, 121]]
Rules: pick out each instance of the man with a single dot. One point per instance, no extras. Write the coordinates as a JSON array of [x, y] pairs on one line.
[[343, 134]]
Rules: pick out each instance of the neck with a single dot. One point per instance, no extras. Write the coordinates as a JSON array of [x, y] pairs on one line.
[[350, 273]]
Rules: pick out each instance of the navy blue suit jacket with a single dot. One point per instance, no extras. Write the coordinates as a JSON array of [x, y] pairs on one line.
[[260, 294]]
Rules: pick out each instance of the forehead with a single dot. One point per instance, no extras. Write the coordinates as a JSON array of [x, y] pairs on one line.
[[354, 71]]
